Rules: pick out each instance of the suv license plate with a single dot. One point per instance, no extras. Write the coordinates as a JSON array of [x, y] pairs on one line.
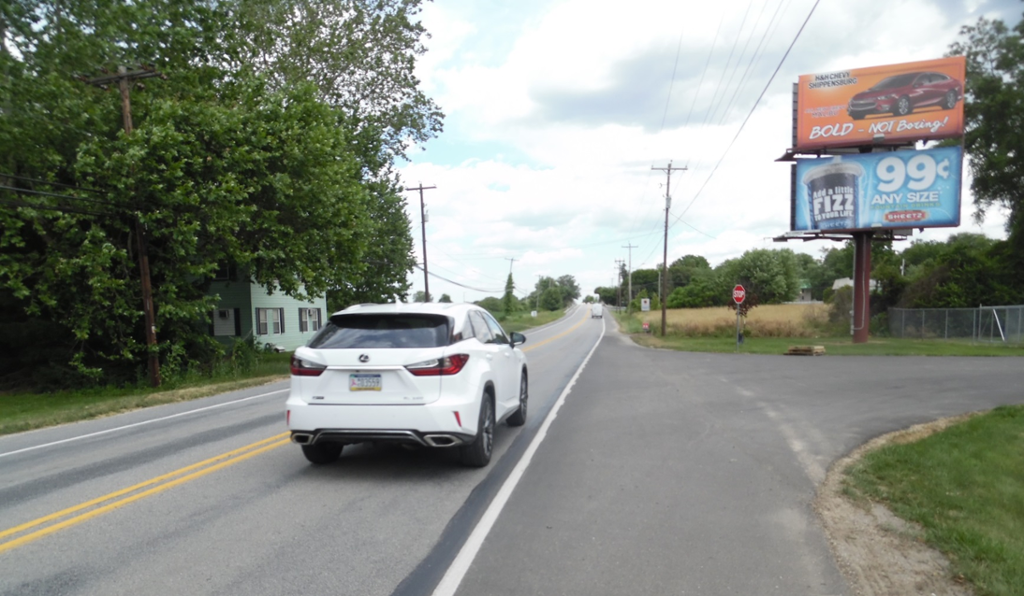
[[363, 382]]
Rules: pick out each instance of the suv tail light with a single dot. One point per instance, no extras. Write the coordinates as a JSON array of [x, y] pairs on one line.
[[449, 365], [305, 368]]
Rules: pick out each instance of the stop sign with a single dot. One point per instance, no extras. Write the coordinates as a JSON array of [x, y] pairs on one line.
[[738, 294]]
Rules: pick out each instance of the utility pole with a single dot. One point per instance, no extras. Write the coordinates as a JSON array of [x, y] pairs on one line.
[[511, 261], [618, 281], [664, 258], [124, 78], [630, 270], [423, 229]]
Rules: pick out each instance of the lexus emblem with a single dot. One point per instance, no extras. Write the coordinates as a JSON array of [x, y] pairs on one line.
[[364, 358]]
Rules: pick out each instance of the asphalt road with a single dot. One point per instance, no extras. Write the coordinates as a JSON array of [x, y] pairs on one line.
[[662, 473]]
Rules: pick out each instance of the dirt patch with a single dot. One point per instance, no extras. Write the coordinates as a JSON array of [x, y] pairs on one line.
[[879, 553]]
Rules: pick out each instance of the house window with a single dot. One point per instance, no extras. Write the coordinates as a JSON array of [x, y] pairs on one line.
[[225, 321], [224, 272], [269, 321], [309, 319]]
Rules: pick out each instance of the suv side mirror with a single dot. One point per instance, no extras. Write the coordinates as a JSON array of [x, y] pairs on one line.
[[517, 339]]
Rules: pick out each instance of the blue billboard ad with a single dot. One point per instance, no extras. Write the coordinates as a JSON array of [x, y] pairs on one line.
[[871, 191]]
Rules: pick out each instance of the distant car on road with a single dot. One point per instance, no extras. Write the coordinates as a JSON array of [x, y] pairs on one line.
[[597, 310], [900, 95], [434, 375]]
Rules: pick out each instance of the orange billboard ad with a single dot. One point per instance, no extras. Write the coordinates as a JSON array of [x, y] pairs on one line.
[[898, 103]]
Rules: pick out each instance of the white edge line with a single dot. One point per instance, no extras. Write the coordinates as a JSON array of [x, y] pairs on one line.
[[460, 566], [110, 430]]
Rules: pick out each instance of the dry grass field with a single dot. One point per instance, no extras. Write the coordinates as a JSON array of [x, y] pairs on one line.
[[769, 320]]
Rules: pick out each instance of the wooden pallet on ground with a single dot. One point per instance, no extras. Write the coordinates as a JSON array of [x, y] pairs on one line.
[[806, 351]]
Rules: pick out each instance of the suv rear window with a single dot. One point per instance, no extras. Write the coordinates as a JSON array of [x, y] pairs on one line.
[[383, 331]]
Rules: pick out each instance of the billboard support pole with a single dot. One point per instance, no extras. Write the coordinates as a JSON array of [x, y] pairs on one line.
[[861, 286]]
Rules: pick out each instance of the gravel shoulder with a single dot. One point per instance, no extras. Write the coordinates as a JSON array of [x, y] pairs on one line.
[[879, 553]]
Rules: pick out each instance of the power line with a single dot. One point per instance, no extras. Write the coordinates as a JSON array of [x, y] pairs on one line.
[[751, 113], [43, 193], [16, 203], [418, 266], [49, 183]]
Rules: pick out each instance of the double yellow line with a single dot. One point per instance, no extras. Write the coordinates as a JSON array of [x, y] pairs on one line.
[[71, 516], [562, 334]]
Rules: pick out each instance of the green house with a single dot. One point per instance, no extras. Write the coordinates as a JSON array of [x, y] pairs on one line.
[[246, 309]]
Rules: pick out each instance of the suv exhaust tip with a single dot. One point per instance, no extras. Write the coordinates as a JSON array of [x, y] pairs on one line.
[[442, 440], [302, 438]]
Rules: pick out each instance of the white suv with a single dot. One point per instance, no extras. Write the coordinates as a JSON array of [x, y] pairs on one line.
[[436, 375]]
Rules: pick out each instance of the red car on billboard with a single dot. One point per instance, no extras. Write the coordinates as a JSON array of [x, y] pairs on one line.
[[901, 94]]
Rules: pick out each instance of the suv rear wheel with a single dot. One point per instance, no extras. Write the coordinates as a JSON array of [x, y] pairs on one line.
[[478, 453]]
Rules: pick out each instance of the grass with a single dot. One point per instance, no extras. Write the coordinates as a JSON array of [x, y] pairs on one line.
[[522, 320], [22, 411], [772, 329], [964, 487]]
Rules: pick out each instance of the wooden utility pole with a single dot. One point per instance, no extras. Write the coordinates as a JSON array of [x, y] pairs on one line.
[[630, 270], [618, 282], [423, 229], [664, 258], [124, 78]]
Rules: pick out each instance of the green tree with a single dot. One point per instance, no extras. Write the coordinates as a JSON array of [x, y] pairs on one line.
[[445, 299], [509, 302], [492, 304], [836, 263], [552, 298], [643, 279], [994, 114], [608, 295], [570, 289], [706, 288], [681, 270], [232, 161], [769, 274]]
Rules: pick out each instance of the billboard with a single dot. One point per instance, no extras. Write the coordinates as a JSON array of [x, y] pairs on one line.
[[899, 103], [871, 191]]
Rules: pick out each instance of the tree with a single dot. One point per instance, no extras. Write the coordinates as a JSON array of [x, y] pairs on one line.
[[361, 54], [570, 289], [564, 287], [706, 288], [962, 272], [552, 298], [643, 279], [682, 270], [771, 274], [509, 303], [445, 299], [231, 162], [608, 295], [420, 296], [492, 304], [994, 115], [836, 263]]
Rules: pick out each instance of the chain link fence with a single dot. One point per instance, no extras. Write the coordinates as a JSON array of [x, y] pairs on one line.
[[1004, 324]]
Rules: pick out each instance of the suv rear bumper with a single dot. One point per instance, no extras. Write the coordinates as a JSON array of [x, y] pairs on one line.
[[444, 423], [341, 435]]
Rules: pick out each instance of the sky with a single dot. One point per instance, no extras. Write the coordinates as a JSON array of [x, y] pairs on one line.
[[556, 111]]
